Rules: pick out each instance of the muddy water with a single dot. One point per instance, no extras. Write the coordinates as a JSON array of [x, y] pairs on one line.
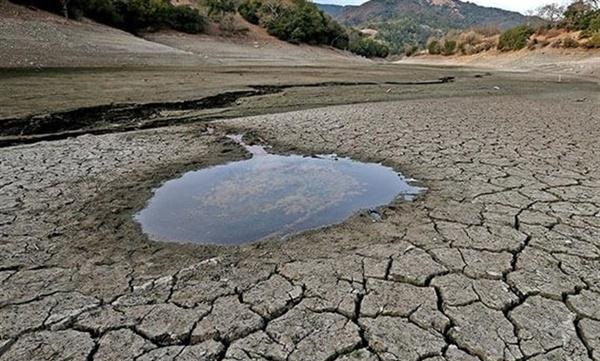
[[267, 195]]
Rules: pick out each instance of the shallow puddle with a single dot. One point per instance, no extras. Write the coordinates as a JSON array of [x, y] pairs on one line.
[[267, 195]]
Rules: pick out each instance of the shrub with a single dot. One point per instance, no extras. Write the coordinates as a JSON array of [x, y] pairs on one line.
[[185, 19], [367, 47], [594, 25], [569, 42], [470, 38], [229, 25], [449, 47], [410, 50], [467, 49], [102, 11], [470, 42], [249, 10], [434, 47], [515, 38], [220, 7], [594, 41]]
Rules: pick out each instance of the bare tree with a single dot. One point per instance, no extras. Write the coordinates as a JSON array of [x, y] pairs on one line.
[[595, 3], [553, 13], [273, 8]]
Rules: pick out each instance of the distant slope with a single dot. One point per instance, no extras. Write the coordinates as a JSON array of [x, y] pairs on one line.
[[333, 10], [583, 63], [403, 22], [434, 13]]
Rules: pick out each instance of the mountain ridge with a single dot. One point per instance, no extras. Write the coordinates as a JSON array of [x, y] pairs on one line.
[[402, 22], [333, 10], [453, 9]]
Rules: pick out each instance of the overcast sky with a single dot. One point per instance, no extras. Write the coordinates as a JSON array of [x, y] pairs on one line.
[[515, 5]]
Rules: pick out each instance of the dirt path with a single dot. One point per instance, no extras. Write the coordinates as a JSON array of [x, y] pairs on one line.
[[499, 260]]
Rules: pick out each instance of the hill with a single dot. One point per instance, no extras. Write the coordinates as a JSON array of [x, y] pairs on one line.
[[36, 38], [333, 10], [411, 22], [433, 13]]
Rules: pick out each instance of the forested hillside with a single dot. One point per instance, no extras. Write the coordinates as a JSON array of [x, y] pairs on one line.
[[409, 23]]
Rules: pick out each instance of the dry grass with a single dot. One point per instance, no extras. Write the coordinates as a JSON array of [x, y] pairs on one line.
[[488, 31], [480, 40]]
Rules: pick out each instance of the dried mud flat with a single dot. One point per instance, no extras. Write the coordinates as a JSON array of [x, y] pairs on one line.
[[499, 260]]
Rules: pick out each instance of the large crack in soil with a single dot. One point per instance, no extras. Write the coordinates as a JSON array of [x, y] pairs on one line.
[[111, 118]]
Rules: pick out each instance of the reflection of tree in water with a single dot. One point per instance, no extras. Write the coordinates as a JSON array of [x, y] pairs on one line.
[[290, 186]]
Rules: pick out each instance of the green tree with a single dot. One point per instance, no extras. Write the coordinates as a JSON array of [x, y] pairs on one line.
[[578, 15], [300, 21]]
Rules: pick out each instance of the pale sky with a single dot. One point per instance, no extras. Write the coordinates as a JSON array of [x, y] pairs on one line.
[[514, 5]]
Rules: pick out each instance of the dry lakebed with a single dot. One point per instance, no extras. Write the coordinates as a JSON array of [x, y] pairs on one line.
[[497, 259]]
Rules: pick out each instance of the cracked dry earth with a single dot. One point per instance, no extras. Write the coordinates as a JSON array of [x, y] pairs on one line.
[[499, 260]]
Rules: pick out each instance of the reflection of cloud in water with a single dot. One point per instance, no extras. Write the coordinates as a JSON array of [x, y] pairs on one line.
[[309, 187], [269, 194]]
